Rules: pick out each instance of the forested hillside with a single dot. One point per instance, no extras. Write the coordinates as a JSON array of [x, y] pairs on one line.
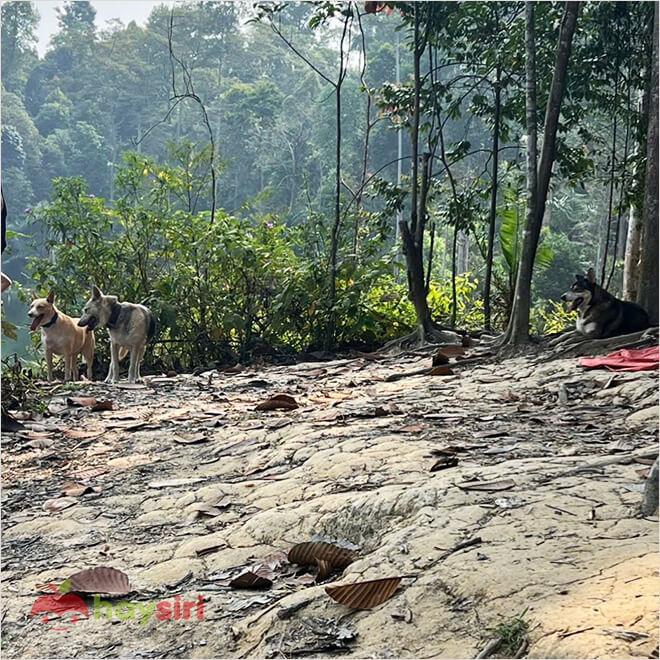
[[237, 167]]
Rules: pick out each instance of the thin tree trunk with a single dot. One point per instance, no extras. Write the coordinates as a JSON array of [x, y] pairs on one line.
[[610, 201], [412, 236], [537, 185], [334, 233], [631, 260], [647, 295], [493, 201]]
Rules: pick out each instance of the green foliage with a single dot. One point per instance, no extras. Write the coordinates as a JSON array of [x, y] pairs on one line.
[[512, 222], [550, 316], [19, 390], [513, 633], [469, 308]]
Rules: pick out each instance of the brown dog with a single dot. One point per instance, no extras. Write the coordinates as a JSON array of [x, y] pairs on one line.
[[61, 335]]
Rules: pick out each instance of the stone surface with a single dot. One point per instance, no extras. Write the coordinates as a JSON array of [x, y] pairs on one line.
[[564, 544]]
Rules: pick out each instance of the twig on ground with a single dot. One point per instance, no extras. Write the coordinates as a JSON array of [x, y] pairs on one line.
[[490, 648]]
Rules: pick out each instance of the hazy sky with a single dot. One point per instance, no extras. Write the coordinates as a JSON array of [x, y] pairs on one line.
[[125, 10]]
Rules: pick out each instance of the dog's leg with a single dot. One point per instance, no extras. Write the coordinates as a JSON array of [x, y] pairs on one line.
[[68, 369], [113, 372], [49, 365], [131, 367], [89, 358], [74, 368], [141, 351], [134, 368]]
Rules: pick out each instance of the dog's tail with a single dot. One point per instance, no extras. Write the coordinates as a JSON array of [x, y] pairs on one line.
[[123, 352]]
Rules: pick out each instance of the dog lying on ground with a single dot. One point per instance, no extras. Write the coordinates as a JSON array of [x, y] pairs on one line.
[[600, 314], [61, 335], [130, 327]]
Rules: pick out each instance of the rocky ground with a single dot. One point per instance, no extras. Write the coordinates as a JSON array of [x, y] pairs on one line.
[[536, 461]]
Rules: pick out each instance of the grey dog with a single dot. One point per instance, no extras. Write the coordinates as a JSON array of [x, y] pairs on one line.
[[130, 327]]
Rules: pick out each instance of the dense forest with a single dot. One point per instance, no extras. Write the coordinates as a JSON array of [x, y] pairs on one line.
[[277, 177]]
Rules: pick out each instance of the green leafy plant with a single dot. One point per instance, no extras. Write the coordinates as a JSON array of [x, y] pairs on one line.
[[513, 633], [512, 217]]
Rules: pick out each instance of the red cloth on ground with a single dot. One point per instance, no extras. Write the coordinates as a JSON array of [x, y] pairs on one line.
[[627, 359]]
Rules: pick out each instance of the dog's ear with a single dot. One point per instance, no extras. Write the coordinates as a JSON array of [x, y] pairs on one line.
[[591, 275], [96, 292], [35, 295], [112, 299], [51, 297]]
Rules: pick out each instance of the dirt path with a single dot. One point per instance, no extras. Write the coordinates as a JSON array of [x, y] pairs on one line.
[[196, 486]]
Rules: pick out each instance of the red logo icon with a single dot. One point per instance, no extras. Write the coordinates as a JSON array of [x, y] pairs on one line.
[[65, 607]]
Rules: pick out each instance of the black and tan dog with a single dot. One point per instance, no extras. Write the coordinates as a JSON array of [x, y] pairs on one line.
[[130, 327], [600, 314]]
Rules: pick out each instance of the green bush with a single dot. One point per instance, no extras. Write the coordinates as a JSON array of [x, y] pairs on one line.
[[221, 290]]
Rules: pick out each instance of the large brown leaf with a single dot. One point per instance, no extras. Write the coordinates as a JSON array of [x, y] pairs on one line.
[[364, 595], [100, 580], [313, 551], [278, 401]]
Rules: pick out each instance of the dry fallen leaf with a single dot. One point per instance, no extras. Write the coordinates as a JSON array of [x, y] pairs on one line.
[[236, 369], [199, 510], [250, 580], [80, 434], [364, 595], [189, 439], [325, 569], [442, 370], [102, 405], [57, 504], [488, 486], [41, 443], [81, 401], [278, 401], [75, 489], [412, 428], [34, 435], [444, 462], [100, 580], [209, 550], [312, 551]]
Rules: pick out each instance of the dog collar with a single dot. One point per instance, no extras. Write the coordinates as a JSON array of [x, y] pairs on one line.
[[116, 309], [51, 322]]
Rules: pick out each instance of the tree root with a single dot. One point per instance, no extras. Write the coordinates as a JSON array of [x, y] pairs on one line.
[[609, 343], [422, 337]]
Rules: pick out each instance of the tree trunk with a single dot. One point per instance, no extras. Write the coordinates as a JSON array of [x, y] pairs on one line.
[[334, 233], [537, 185], [493, 202], [647, 295], [413, 235], [631, 259]]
